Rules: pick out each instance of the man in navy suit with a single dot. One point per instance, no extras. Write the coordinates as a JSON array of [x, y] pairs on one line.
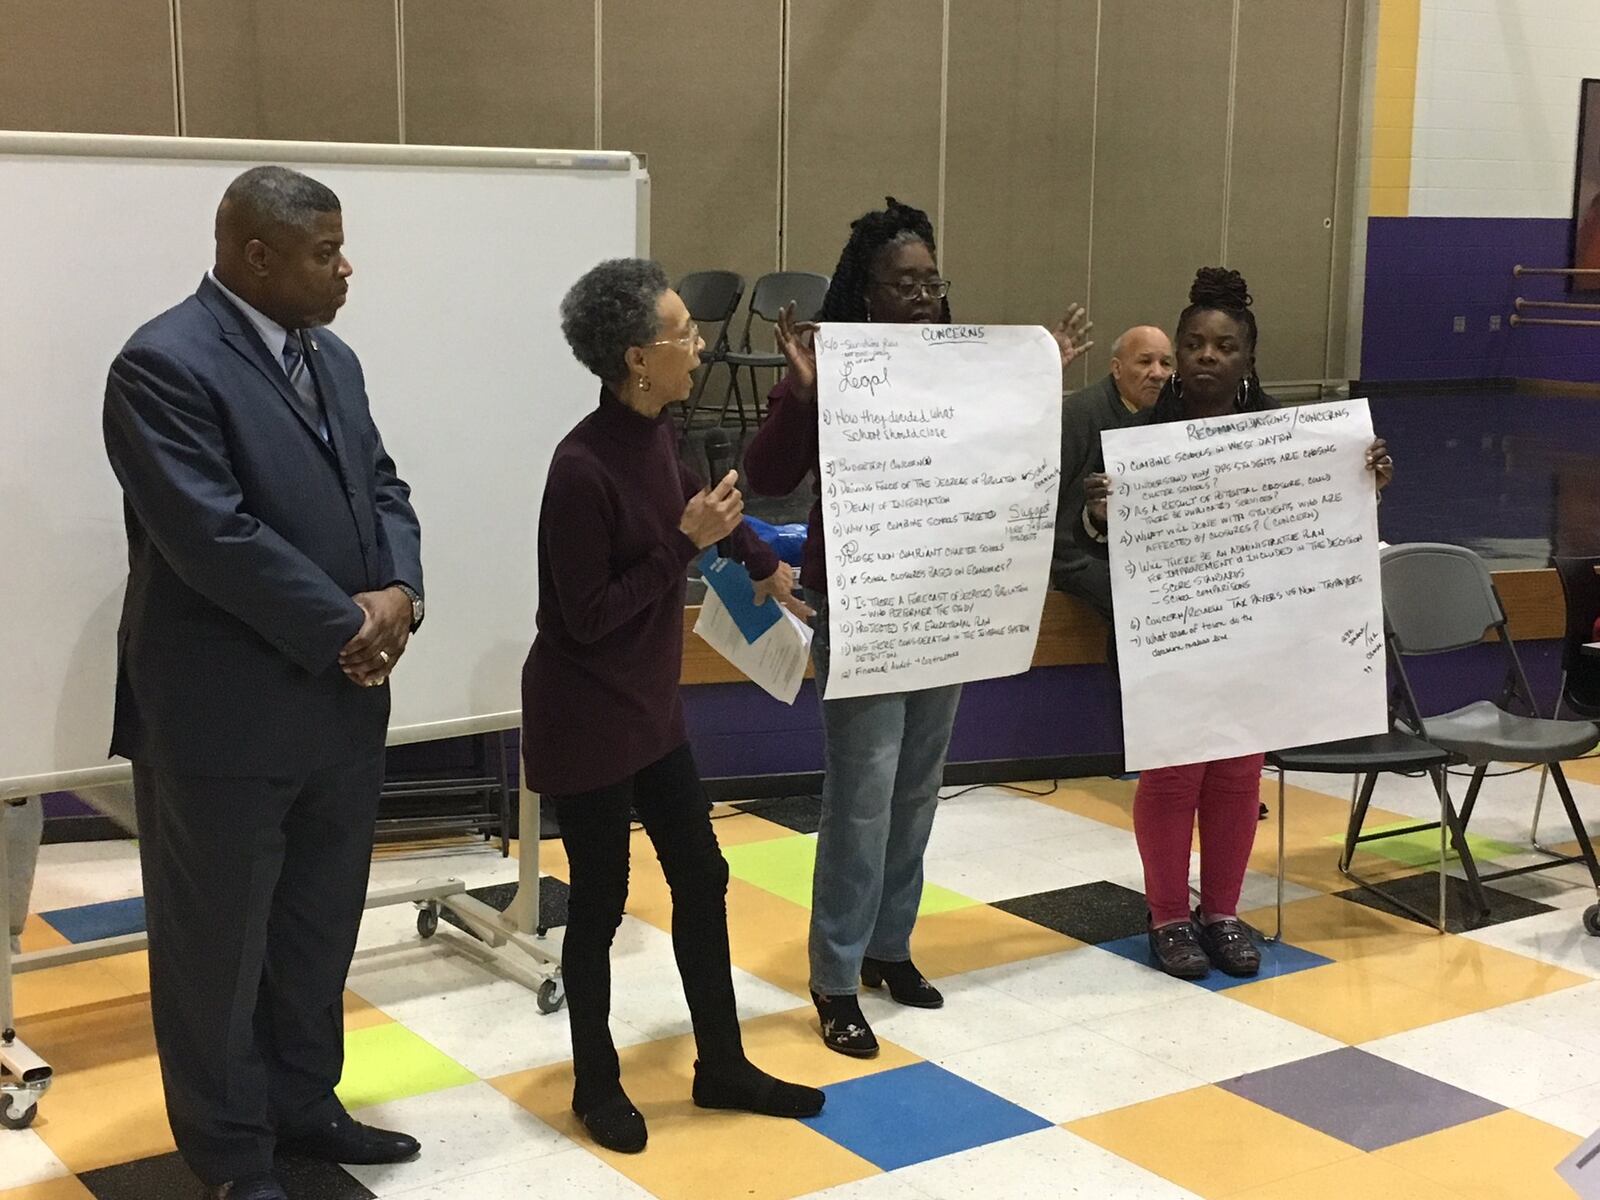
[[274, 577]]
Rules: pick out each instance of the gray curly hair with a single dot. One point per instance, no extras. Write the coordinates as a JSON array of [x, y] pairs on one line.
[[609, 310]]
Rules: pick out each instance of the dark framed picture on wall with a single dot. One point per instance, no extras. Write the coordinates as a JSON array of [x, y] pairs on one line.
[[1586, 193]]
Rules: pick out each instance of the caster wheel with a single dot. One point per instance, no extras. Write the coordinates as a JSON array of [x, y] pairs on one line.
[[552, 995], [10, 1118], [427, 922], [1591, 920], [541, 930]]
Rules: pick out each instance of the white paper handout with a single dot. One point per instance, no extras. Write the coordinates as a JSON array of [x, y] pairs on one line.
[[776, 661], [940, 450], [1244, 578]]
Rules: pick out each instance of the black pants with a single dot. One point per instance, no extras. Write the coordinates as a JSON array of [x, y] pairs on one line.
[[594, 828], [253, 891]]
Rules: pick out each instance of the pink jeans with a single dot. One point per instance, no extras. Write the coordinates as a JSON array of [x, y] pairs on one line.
[[1227, 794]]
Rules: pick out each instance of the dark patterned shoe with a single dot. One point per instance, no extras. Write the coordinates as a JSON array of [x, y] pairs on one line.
[[1176, 950], [907, 985], [844, 1029], [1228, 945]]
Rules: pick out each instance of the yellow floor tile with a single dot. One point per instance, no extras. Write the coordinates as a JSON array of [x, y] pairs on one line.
[[1310, 858], [99, 1117], [1509, 1155], [1348, 1002], [131, 970], [1470, 973], [752, 1157], [111, 1038], [359, 1014], [1109, 801], [970, 939], [1340, 929], [735, 828], [1360, 1178], [65, 1188], [57, 989], [38, 934], [1212, 1142], [767, 936]]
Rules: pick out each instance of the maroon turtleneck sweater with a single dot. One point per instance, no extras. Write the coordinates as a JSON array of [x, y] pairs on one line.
[[600, 687]]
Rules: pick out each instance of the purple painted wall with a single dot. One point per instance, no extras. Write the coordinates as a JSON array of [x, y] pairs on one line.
[[1423, 272]]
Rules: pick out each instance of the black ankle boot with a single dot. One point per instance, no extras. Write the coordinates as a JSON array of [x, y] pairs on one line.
[[744, 1087], [906, 984], [615, 1124], [844, 1029]]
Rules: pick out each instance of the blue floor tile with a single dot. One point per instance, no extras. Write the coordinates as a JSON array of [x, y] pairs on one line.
[[90, 922], [915, 1113], [1277, 958]]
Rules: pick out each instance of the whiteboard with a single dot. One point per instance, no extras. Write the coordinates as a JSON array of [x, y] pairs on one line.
[[461, 257]]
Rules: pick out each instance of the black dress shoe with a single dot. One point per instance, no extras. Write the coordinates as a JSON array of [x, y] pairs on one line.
[[346, 1140], [907, 985], [844, 1028], [252, 1187], [615, 1124]]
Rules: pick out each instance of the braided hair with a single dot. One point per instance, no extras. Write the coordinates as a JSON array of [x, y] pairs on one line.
[[870, 234], [1217, 289]]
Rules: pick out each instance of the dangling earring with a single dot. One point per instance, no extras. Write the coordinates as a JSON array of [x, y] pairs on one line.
[[1177, 386], [644, 383], [869, 308], [1243, 402]]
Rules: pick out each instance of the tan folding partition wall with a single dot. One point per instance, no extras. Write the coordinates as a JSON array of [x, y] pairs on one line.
[[1068, 150]]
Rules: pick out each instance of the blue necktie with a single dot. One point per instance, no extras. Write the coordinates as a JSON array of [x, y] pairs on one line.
[[294, 366]]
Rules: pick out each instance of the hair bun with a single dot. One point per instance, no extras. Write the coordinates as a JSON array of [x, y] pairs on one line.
[[1218, 287]]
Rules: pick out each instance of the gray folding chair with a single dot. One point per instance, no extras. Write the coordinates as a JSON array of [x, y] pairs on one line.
[[712, 298], [1438, 599], [806, 291]]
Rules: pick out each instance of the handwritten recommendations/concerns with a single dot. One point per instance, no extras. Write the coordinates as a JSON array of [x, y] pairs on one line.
[[1244, 576], [941, 454]]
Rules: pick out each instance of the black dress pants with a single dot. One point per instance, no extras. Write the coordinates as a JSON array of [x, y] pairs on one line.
[[253, 891], [671, 804]]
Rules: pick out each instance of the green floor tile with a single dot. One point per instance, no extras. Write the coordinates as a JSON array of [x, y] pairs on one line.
[[389, 1062], [783, 866], [1422, 849]]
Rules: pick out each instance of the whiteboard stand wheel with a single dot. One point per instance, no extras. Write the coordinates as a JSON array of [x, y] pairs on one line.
[[1591, 920], [428, 920], [14, 1117], [552, 995]]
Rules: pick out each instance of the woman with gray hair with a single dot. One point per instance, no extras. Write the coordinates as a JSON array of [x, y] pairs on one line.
[[603, 729]]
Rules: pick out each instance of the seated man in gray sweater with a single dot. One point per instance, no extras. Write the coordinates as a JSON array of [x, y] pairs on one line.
[[1141, 361]]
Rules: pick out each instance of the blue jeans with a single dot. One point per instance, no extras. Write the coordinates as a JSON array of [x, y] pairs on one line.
[[884, 762]]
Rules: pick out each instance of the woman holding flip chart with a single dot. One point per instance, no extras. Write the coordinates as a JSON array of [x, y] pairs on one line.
[[884, 755], [603, 731], [1216, 348]]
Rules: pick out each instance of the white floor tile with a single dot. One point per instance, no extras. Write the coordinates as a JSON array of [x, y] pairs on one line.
[[71, 874], [1000, 873], [1571, 1016], [1261, 891], [989, 819], [25, 1159], [574, 1174], [974, 1015], [1085, 984], [1046, 1165], [888, 1186], [1555, 937], [1069, 1073], [1576, 1111], [463, 1130], [502, 1037], [410, 978], [1494, 1058], [1104, 852], [1211, 1037]]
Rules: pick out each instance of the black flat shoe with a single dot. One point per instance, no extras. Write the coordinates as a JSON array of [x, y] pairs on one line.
[[907, 985], [747, 1088], [844, 1029], [347, 1140], [252, 1187], [1227, 943], [1176, 950], [616, 1124]]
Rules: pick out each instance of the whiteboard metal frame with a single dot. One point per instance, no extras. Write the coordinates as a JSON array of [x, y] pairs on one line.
[[24, 1076]]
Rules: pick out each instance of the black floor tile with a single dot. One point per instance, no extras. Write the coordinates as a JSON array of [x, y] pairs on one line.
[[1091, 912], [169, 1178], [1422, 891], [552, 901], [803, 814]]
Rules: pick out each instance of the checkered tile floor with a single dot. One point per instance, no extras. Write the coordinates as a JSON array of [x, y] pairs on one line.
[[1372, 1058]]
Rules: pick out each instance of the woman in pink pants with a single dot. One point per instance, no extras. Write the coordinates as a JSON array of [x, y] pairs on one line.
[[1216, 344]]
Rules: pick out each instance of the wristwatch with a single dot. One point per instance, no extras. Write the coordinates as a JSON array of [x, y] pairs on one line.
[[417, 606]]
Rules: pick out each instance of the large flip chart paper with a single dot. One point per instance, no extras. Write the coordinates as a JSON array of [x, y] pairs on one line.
[[941, 457], [1244, 576]]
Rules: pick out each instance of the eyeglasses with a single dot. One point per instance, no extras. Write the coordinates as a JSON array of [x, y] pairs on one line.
[[914, 289], [684, 341]]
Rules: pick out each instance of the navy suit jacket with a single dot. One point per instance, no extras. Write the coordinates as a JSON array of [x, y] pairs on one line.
[[247, 537]]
